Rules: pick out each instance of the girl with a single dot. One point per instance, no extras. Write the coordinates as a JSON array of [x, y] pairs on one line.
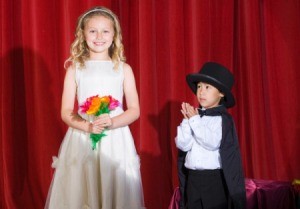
[[108, 176]]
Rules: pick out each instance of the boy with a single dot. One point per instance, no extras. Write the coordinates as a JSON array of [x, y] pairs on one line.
[[215, 177]]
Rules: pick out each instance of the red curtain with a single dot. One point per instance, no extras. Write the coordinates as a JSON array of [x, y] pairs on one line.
[[164, 40]]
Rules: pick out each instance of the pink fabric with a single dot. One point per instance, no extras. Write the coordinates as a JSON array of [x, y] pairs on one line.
[[251, 194], [174, 204], [261, 194], [275, 194]]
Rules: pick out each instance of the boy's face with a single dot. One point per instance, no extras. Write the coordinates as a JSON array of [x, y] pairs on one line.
[[208, 96]]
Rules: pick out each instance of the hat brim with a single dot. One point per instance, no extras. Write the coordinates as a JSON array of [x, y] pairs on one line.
[[194, 79]]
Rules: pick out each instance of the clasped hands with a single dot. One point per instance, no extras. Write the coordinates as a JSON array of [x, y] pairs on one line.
[[101, 123], [188, 111]]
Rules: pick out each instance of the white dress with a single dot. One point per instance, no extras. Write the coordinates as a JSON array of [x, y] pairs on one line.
[[109, 176]]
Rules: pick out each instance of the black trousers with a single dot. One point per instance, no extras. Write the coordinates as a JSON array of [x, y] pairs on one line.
[[206, 189]]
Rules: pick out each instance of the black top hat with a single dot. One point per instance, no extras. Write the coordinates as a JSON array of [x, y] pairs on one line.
[[217, 76]]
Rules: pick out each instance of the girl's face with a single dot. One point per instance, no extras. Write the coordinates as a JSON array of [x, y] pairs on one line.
[[99, 35], [208, 96]]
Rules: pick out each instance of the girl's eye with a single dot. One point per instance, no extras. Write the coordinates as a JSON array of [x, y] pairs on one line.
[[92, 31], [106, 31]]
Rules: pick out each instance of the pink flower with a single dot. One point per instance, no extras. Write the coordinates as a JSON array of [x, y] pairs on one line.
[[113, 103], [85, 106]]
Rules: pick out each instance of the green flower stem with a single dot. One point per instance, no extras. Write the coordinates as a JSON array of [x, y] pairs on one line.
[[96, 138]]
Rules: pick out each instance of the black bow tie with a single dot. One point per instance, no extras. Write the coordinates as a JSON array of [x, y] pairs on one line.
[[215, 111], [201, 112]]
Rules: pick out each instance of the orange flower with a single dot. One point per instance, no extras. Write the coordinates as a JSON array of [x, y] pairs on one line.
[[95, 105]]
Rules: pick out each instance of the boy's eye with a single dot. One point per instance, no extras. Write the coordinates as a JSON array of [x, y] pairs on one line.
[[207, 87]]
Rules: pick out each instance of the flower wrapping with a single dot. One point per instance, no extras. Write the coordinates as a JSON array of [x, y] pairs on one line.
[[96, 106]]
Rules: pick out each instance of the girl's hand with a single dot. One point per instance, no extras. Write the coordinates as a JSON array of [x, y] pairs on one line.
[[103, 120], [95, 128]]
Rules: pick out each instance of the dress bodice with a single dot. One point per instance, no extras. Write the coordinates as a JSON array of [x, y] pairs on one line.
[[99, 78]]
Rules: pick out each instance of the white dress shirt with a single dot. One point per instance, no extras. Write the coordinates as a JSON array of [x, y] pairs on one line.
[[201, 138]]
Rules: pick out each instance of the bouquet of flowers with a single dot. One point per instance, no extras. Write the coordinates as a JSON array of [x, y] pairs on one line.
[[96, 106]]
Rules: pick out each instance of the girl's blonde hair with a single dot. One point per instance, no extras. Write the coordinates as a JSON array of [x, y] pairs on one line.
[[79, 50]]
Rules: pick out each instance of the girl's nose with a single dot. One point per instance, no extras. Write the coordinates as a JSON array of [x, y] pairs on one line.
[[99, 35]]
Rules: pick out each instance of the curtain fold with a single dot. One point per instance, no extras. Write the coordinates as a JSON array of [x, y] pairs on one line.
[[164, 41]]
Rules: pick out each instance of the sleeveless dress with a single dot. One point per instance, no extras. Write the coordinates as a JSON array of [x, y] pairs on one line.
[[107, 177]]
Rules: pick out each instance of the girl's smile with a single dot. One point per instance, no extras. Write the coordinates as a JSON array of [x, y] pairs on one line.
[[99, 43]]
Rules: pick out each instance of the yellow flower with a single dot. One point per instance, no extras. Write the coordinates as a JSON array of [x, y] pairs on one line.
[[105, 99], [296, 181]]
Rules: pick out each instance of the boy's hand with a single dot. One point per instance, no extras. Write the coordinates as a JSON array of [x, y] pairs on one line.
[[188, 111], [183, 110]]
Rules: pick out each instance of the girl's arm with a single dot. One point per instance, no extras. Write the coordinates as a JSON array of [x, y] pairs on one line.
[[132, 101], [68, 115]]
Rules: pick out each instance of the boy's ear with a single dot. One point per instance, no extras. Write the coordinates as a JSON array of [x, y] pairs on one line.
[[221, 95]]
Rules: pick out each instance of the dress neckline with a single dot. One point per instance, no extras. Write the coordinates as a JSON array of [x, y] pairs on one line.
[[98, 61]]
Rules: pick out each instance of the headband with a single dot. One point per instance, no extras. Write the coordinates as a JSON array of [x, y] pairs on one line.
[[98, 10]]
